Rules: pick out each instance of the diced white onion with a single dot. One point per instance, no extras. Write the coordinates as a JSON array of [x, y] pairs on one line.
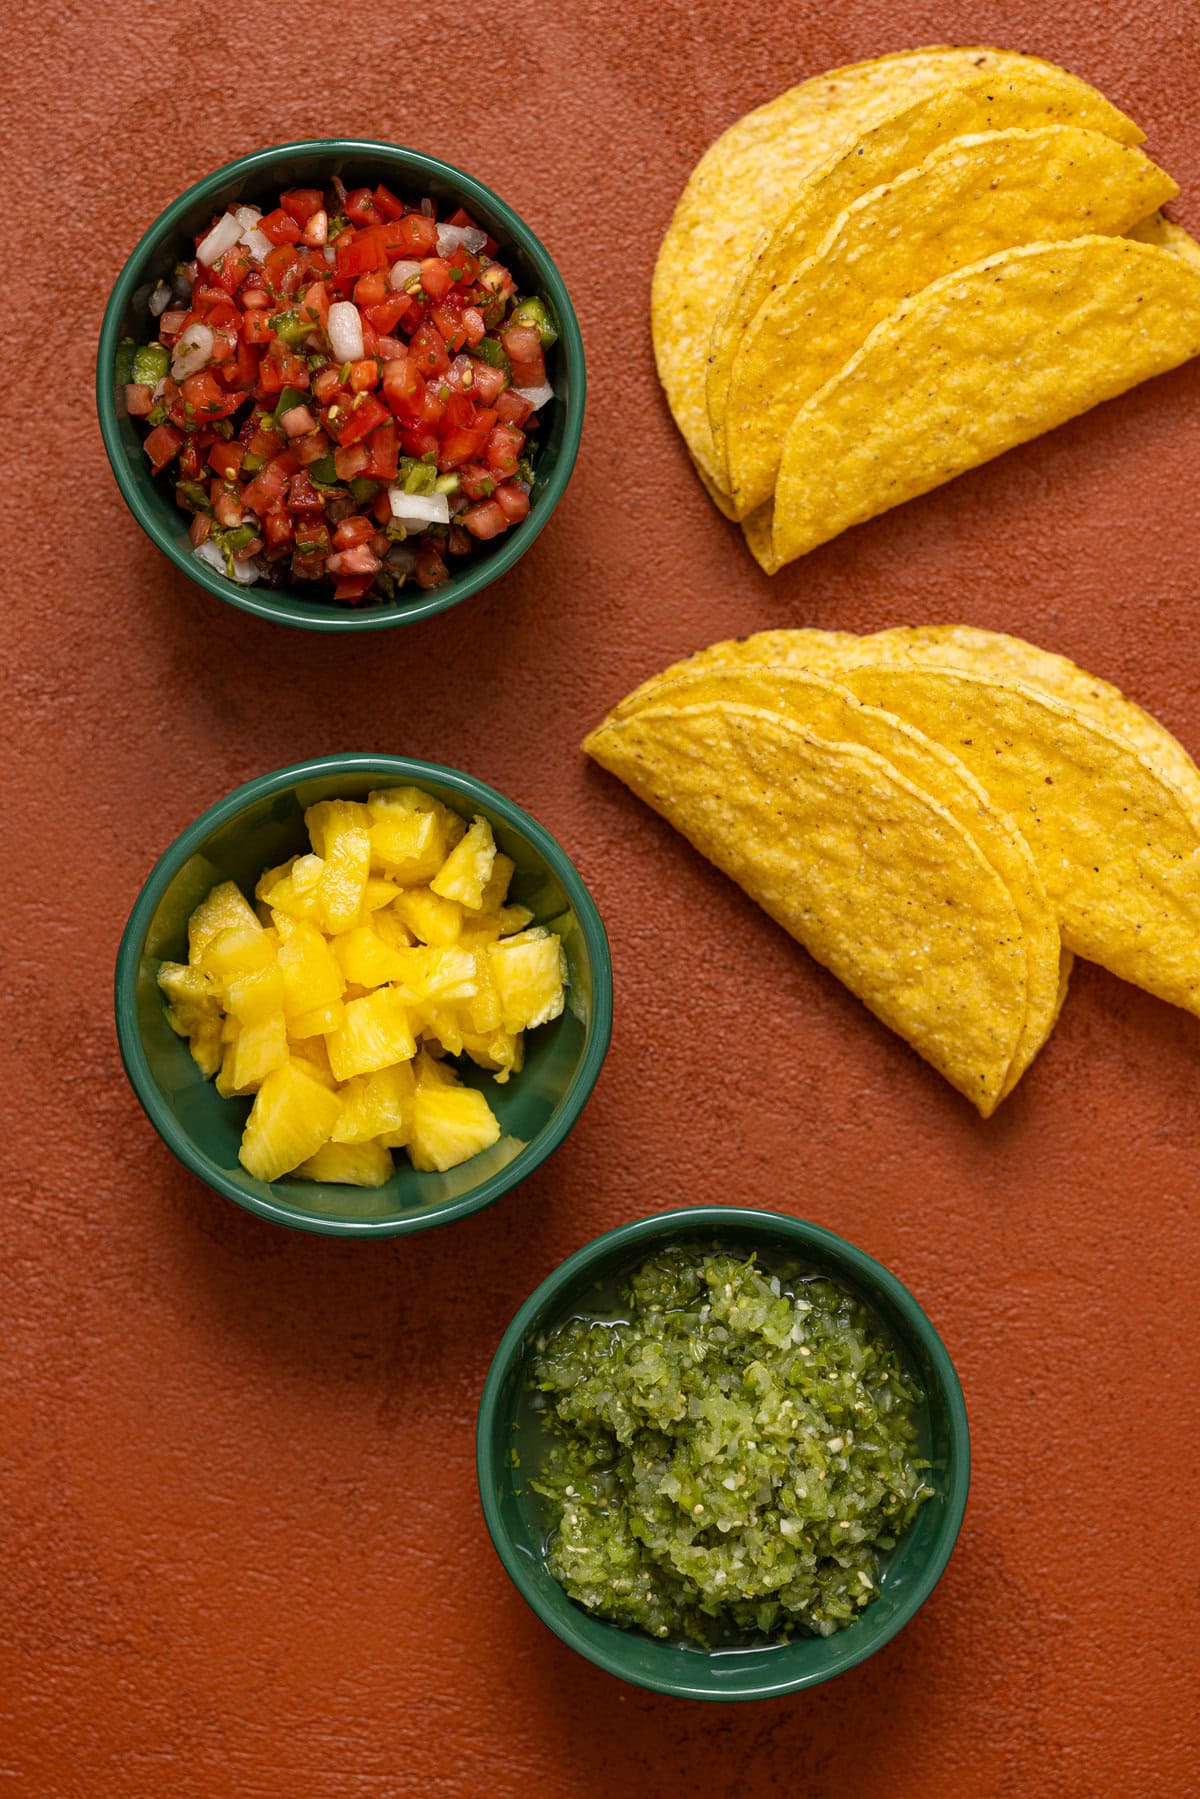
[[222, 237], [192, 352], [451, 236], [160, 299], [156, 390], [345, 332], [329, 253], [536, 396], [403, 271], [258, 244], [247, 217], [244, 573], [419, 508]]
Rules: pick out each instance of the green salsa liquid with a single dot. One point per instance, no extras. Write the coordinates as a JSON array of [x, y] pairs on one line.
[[726, 1454]]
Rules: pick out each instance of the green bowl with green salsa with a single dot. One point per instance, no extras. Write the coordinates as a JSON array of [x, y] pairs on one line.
[[513, 1444], [260, 825], [258, 179]]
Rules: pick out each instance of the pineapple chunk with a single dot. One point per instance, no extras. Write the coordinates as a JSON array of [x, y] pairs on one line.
[[430, 918], [483, 1012], [442, 1027], [193, 1002], [389, 925], [513, 918], [294, 888], [411, 832], [258, 1050], [317, 1023], [451, 1123], [230, 954], [364, 957], [223, 910], [503, 869], [502, 1053], [375, 1033], [465, 873], [341, 836], [437, 977], [292, 1116], [253, 997], [378, 893], [204, 1041], [311, 976], [378, 1105], [349, 1165], [530, 974], [312, 1056]]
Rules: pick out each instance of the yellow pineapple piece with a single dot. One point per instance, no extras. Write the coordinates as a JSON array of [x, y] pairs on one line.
[[513, 918], [377, 893], [311, 976], [365, 958], [230, 954], [292, 1116], [530, 973], [255, 996], [204, 1041], [348, 1165], [378, 1105], [258, 1050], [451, 1123], [224, 909], [442, 1027], [388, 924], [312, 1056], [317, 1023], [226, 1085], [282, 923], [428, 916], [411, 832], [465, 873], [341, 835], [483, 1012], [437, 977], [503, 869], [192, 1000], [501, 1052], [294, 888], [374, 1033]]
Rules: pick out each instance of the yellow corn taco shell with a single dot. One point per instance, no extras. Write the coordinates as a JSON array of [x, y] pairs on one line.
[[1009, 92], [747, 178], [876, 880], [969, 199], [830, 712], [978, 361]]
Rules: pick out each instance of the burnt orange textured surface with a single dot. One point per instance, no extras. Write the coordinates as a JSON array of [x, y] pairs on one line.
[[243, 1549]]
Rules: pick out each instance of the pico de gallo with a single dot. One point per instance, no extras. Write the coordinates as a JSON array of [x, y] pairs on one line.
[[344, 390]]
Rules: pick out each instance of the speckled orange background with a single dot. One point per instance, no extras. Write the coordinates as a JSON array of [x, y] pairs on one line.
[[243, 1554]]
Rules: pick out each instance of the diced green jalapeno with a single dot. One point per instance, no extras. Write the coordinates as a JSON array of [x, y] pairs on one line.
[[150, 363], [533, 312]]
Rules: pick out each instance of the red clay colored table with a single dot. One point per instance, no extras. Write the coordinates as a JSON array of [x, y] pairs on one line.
[[243, 1551]]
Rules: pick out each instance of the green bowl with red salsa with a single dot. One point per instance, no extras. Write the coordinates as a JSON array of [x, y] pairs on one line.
[[341, 384]]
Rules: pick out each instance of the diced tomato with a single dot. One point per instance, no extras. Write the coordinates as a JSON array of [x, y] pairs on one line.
[[326, 383], [459, 445], [316, 302], [206, 400], [361, 208], [311, 568], [513, 501], [370, 337], [478, 482], [386, 314], [430, 570], [429, 352], [231, 269], [311, 448], [281, 368], [504, 447], [284, 269], [485, 520], [402, 384], [227, 508], [473, 325], [381, 507], [192, 459], [200, 528], [436, 278], [387, 203], [162, 445], [364, 375], [312, 534], [264, 440], [415, 236], [352, 588], [522, 343], [298, 421], [360, 252], [348, 424], [225, 459], [460, 410], [242, 372], [302, 495], [270, 485], [418, 442], [356, 529], [280, 227], [512, 408], [302, 202], [448, 320], [384, 446], [371, 288], [487, 384], [256, 327], [278, 526], [139, 399], [351, 460]]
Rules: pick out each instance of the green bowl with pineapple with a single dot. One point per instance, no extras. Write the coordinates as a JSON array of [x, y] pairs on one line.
[[363, 995]]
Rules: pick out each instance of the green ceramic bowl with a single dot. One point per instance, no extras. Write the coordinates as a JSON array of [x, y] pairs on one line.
[[258, 177], [519, 1527], [260, 825]]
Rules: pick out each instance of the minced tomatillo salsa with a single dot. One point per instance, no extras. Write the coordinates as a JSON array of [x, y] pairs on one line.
[[342, 390], [732, 1452]]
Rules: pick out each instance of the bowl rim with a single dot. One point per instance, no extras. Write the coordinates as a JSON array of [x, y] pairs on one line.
[[874, 1277], [282, 606], [408, 769]]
